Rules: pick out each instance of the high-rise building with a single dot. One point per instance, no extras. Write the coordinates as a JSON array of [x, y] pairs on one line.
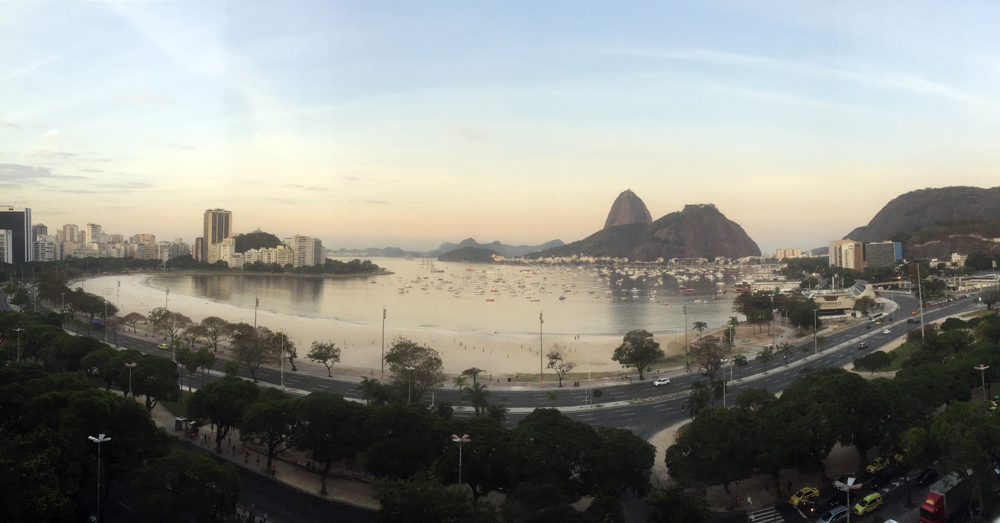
[[39, 230], [93, 233], [787, 253], [72, 233], [44, 248], [6, 254], [848, 254], [197, 251], [18, 223], [883, 254], [218, 227]]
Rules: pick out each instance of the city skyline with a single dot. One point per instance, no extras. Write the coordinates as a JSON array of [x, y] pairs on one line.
[[408, 127]]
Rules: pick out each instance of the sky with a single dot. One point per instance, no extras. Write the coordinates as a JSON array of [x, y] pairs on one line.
[[370, 124]]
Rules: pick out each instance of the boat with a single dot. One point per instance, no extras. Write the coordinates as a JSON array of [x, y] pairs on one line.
[[562, 297], [490, 299]]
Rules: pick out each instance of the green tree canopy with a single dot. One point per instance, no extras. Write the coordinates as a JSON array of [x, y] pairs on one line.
[[638, 350], [222, 402]]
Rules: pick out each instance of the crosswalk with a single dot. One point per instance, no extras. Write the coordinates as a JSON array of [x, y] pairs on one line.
[[767, 515]]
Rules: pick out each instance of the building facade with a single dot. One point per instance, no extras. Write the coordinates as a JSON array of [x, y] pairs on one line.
[[93, 233], [787, 253], [218, 227], [17, 221], [883, 254], [71, 233], [848, 254]]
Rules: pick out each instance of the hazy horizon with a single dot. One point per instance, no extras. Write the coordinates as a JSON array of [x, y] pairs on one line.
[[412, 125]]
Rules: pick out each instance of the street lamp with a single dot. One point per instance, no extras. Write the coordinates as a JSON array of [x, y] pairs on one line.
[[687, 364], [256, 304], [409, 389], [541, 371], [18, 343], [982, 370], [463, 439], [166, 303], [815, 328], [848, 487], [383, 341], [130, 365], [63, 294], [99, 439]]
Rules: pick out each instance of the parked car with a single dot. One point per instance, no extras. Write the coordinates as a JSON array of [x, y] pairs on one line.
[[925, 478], [834, 515], [880, 479], [661, 381], [804, 494]]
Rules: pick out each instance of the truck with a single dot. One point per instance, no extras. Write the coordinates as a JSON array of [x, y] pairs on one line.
[[946, 498]]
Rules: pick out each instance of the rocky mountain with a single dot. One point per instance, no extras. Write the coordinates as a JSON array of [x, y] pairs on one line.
[[509, 251], [918, 209], [628, 209], [388, 252], [941, 239], [698, 231], [469, 254]]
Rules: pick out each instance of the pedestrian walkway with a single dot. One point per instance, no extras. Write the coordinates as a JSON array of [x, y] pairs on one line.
[[767, 515]]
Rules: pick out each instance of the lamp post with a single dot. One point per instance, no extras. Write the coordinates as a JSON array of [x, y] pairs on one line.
[[848, 487], [166, 302], [130, 365], [256, 304], [541, 371], [118, 297], [920, 296], [383, 340], [463, 439], [687, 364], [281, 361], [18, 343], [815, 328], [99, 439], [982, 370], [63, 294], [409, 387], [105, 321]]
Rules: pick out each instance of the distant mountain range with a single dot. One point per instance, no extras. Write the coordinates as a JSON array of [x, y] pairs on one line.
[[697, 231], [509, 251], [469, 254]]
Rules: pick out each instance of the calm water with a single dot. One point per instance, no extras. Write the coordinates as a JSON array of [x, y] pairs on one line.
[[417, 295]]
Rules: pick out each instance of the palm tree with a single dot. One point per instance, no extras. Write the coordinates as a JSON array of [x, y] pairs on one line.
[[785, 349], [553, 397], [700, 326], [459, 382], [367, 389], [477, 396], [765, 356], [741, 361], [701, 395]]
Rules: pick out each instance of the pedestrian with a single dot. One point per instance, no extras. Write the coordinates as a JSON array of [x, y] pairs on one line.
[[789, 485], [258, 459], [274, 471]]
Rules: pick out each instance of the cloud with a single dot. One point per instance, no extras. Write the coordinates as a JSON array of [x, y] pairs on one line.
[[182, 147], [16, 174], [29, 69], [878, 78], [124, 186], [371, 202], [305, 187], [283, 201], [8, 123], [471, 134], [55, 154], [154, 99], [53, 132], [92, 170]]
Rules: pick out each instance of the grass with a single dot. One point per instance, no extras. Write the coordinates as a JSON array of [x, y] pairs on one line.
[[901, 354], [179, 408]]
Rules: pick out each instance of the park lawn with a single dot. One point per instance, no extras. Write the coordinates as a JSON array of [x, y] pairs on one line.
[[179, 408], [901, 354]]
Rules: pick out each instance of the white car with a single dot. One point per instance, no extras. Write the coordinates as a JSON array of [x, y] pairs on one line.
[[885, 331], [661, 381]]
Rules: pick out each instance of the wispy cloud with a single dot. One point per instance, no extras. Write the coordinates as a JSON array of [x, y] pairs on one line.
[[54, 154], [16, 174], [371, 202], [8, 123], [28, 69], [283, 201], [92, 170], [305, 187], [53, 132], [124, 186], [182, 147], [879, 78], [471, 134]]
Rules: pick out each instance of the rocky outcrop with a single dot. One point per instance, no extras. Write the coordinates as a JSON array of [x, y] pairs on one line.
[[469, 254], [698, 231], [918, 209], [628, 209]]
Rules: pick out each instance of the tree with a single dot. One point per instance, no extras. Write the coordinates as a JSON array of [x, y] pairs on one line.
[[103, 363], [559, 364], [550, 448], [325, 428], [740, 360], [700, 326], [988, 330], [423, 499], [222, 402], [132, 318], [285, 346], [189, 361], [170, 323], [459, 382], [216, 330], [367, 389], [425, 363], [873, 362], [186, 482], [252, 347], [968, 439], [206, 360], [401, 439], [785, 350], [678, 505], [699, 398], [191, 334], [473, 372], [326, 353], [639, 350], [270, 422], [764, 356], [477, 396], [626, 462], [754, 399], [156, 378], [701, 458], [864, 305], [990, 298], [708, 353]]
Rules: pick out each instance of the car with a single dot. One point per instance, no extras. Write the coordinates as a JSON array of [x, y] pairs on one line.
[[863, 345], [843, 480], [804, 494], [868, 504], [834, 515], [880, 479], [163, 346], [661, 381], [925, 478], [885, 331], [877, 465]]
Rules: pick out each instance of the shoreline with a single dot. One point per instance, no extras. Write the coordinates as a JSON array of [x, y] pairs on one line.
[[232, 272]]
